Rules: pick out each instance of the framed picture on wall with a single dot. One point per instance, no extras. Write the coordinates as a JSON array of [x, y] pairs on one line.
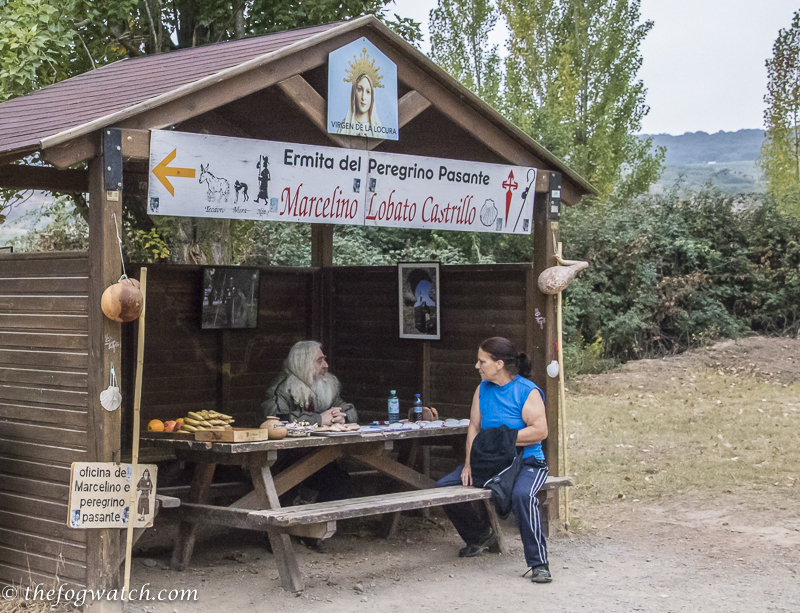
[[418, 293], [230, 297]]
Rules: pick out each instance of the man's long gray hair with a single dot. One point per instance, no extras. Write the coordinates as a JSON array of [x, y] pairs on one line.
[[301, 384]]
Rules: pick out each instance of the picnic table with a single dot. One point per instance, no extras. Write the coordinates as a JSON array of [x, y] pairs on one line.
[[261, 509]]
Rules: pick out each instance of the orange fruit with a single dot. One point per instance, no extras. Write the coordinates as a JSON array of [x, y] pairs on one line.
[[155, 425], [179, 422]]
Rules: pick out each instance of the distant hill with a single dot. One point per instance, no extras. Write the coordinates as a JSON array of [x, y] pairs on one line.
[[727, 159], [703, 148]]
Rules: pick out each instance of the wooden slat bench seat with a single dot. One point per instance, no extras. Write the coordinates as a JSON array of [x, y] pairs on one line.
[[369, 505], [286, 517]]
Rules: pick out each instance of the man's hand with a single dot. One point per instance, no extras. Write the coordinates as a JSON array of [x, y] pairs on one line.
[[339, 416], [334, 415], [466, 475], [326, 417]]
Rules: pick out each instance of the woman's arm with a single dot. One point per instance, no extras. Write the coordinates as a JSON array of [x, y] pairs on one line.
[[472, 432], [533, 414]]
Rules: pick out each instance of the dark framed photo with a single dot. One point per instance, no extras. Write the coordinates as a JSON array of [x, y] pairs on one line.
[[230, 297], [418, 292]]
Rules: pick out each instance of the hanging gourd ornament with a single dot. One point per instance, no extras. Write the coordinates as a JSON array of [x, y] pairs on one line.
[[122, 301], [554, 280]]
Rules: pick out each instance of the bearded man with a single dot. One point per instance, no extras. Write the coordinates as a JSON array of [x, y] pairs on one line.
[[306, 391]]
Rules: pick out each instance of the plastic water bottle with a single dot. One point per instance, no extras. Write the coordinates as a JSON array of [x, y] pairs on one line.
[[394, 408], [417, 408]]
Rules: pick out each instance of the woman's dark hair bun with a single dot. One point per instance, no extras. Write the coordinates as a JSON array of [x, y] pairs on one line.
[[524, 365], [500, 348]]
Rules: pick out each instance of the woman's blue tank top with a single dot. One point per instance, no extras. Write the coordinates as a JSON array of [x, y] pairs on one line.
[[502, 405]]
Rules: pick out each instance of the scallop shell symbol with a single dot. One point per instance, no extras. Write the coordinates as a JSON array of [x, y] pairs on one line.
[[110, 397], [488, 213]]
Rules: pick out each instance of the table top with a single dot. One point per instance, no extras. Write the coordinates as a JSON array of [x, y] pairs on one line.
[[293, 443]]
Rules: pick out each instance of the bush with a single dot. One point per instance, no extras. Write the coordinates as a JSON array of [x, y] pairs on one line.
[[669, 272]]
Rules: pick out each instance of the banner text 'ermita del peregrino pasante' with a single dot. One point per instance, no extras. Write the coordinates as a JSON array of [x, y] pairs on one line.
[[197, 175]]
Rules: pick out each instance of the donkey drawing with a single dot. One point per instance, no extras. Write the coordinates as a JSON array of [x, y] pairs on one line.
[[217, 188]]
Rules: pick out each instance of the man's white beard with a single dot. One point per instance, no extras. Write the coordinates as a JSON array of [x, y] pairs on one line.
[[322, 392]]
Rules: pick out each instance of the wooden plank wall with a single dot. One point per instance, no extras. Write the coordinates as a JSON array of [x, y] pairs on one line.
[[43, 414], [185, 366], [370, 359]]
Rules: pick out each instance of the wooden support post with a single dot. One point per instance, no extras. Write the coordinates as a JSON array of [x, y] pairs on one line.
[[322, 257], [322, 245], [187, 533], [541, 334], [105, 338], [224, 398], [288, 569]]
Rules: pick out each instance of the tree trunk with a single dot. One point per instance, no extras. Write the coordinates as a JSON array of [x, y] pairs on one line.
[[203, 241]]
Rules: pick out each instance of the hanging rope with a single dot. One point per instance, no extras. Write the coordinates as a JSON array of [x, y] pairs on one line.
[[119, 240]]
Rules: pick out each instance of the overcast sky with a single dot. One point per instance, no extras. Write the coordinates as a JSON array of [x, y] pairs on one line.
[[703, 61]]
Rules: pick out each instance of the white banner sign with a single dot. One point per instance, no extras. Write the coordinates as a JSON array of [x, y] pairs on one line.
[[100, 494], [197, 175], [418, 192]]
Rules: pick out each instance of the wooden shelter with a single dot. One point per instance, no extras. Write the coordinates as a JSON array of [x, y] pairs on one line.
[[57, 346]]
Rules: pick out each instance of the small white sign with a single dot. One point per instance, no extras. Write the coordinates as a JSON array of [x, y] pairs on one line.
[[100, 493], [410, 191]]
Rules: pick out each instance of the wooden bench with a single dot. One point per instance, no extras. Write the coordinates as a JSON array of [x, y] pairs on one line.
[[286, 517], [321, 517]]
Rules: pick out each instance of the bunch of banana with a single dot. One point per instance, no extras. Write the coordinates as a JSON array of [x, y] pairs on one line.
[[206, 420]]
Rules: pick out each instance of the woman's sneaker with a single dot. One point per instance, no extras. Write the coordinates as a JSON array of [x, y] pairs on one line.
[[540, 574], [488, 543]]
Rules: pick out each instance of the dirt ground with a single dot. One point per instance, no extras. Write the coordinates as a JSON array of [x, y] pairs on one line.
[[691, 550]]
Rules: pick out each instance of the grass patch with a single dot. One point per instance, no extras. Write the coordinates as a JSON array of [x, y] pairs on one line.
[[658, 435]]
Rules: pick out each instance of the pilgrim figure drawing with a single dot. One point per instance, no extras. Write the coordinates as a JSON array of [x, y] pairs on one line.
[[362, 116]]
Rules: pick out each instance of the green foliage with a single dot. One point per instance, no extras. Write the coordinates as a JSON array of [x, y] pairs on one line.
[[780, 154], [670, 272], [146, 246], [64, 229], [571, 83], [460, 44], [36, 39]]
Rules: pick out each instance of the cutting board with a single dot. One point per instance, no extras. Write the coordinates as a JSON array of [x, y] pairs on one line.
[[234, 435]]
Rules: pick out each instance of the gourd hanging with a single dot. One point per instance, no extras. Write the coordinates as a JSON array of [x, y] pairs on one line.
[[122, 301], [556, 279]]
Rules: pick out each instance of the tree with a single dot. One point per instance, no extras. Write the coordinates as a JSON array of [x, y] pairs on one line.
[[35, 37], [460, 44], [571, 84], [780, 153]]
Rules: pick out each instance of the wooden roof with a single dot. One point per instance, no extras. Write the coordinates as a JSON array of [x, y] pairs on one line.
[[28, 120], [144, 93]]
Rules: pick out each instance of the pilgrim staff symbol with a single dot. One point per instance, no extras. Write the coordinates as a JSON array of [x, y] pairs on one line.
[[525, 193], [145, 488], [510, 186]]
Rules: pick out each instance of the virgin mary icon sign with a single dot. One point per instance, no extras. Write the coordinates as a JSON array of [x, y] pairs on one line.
[[362, 92]]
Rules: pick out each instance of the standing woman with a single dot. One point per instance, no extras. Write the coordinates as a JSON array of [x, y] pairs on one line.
[[506, 398]]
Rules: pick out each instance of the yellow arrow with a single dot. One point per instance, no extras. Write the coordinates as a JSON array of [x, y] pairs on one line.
[[162, 171]]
